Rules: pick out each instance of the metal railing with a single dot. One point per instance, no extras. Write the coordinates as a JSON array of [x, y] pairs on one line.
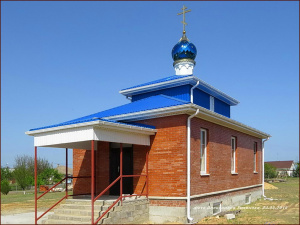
[[120, 199], [59, 201], [116, 180]]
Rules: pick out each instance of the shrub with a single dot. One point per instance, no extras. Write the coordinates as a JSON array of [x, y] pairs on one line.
[[270, 171], [5, 188], [296, 171]]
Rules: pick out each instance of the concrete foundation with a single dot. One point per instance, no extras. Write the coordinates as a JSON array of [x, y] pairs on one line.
[[167, 214], [202, 206]]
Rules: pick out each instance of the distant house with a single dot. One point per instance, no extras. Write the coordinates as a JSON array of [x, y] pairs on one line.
[[284, 167]]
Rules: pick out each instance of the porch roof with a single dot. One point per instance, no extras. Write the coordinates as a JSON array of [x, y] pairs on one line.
[[80, 135]]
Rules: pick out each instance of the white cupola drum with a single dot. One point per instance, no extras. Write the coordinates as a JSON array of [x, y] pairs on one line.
[[184, 52]]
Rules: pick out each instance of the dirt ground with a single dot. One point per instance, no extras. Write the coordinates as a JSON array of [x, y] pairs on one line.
[[17, 202]]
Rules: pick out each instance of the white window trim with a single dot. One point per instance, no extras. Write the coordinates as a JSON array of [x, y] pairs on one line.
[[255, 157], [220, 204], [203, 172], [233, 171], [212, 103], [249, 199]]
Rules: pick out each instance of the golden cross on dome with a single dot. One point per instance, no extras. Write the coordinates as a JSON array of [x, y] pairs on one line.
[[184, 11]]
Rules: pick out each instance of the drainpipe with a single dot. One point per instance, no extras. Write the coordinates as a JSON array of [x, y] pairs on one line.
[[192, 91], [190, 219], [263, 166]]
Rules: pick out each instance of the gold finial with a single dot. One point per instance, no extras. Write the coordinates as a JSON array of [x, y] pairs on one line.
[[184, 11]]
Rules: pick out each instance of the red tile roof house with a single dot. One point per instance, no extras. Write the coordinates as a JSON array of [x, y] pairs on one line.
[[174, 143], [284, 167]]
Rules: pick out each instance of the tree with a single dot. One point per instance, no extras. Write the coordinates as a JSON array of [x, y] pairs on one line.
[[296, 171], [6, 174], [5, 187], [21, 172], [49, 176], [24, 169], [270, 171]]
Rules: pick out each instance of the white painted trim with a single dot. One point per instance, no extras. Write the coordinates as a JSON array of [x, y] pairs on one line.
[[104, 124], [166, 198], [224, 191], [247, 203], [220, 207], [205, 194], [190, 109], [263, 165], [233, 154], [212, 103], [205, 151], [162, 112], [80, 137], [204, 174], [179, 81], [153, 113]]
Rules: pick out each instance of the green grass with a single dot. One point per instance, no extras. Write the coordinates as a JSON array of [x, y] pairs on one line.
[[20, 197], [17, 202], [283, 211]]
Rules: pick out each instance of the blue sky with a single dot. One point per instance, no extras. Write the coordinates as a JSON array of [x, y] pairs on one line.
[[64, 60]]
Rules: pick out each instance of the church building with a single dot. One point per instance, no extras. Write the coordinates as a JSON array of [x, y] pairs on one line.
[[175, 143]]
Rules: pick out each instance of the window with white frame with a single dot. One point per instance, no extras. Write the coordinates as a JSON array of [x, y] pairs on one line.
[[216, 208], [233, 154], [255, 155], [248, 199], [212, 103], [203, 151]]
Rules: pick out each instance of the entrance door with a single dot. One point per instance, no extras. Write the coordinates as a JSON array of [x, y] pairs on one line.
[[114, 168]]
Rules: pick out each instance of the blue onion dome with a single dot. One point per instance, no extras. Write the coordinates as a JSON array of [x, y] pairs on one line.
[[184, 50]]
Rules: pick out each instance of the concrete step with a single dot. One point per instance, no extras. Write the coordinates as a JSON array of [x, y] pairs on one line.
[[79, 207], [106, 221], [52, 221], [88, 202], [76, 218], [82, 212]]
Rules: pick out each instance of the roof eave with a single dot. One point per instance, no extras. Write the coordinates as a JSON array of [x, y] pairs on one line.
[[177, 82], [104, 124], [190, 109]]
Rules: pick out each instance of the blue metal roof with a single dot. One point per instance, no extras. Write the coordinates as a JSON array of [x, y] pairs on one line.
[[94, 119], [159, 81], [153, 102], [188, 79]]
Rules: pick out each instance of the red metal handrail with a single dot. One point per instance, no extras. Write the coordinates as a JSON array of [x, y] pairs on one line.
[[121, 183], [142, 175], [50, 189], [52, 207], [103, 214], [121, 197], [60, 183], [65, 197], [106, 189]]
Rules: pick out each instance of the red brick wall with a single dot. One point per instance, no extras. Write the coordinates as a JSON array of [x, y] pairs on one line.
[[167, 156], [171, 203], [167, 160], [219, 158], [82, 167], [139, 167]]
